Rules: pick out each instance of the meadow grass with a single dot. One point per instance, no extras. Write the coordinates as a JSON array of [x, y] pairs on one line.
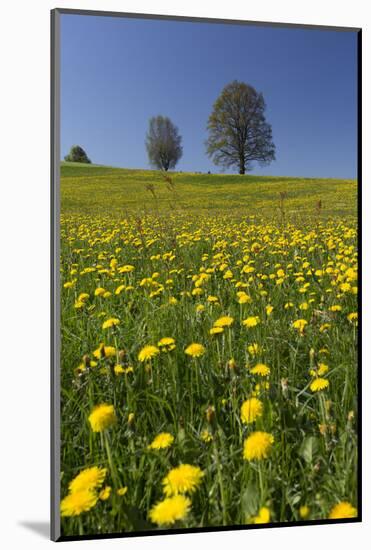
[[177, 258]]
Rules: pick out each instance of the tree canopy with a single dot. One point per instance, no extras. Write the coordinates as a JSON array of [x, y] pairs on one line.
[[238, 131], [77, 154], [163, 143]]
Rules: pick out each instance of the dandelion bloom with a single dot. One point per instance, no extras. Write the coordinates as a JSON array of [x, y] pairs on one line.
[[260, 369], [166, 344], [206, 436], [182, 479], [319, 384], [121, 491], [113, 322], [322, 369], [300, 325], [243, 298], [102, 417], [353, 318], [170, 510], [76, 503], [126, 269], [161, 441], [263, 516], [216, 330], [105, 493], [257, 446], [251, 322], [304, 511], [225, 321], [195, 350], [147, 353], [104, 351], [88, 479], [343, 510], [251, 409], [254, 349], [268, 309], [99, 291]]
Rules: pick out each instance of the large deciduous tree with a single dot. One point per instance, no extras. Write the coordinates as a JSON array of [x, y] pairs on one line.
[[163, 143], [238, 131]]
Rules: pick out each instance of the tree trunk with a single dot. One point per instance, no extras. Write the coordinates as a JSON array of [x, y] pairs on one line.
[[242, 165]]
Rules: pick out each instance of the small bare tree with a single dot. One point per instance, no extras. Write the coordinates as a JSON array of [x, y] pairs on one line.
[[163, 143]]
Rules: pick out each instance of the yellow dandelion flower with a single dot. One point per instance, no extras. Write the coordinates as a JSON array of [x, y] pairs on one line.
[[319, 384], [251, 409], [260, 369], [102, 417], [336, 307], [269, 309], [88, 479], [162, 441], [126, 269], [200, 308], [105, 493], [206, 436], [78, 502], [353, 318], [118, 369], [343, 510], [243, 298], [113, 322], [99, 291], [166, 344], [257, 446], [195, 350], [322, 369], [69, 284], [147, 353], [263, 516], [254, 349], [251, 322], [104, 351], [300, 325], [304, 511], [119, 289], [170, 510], [225, 321], [182, 479], [324, 327], [121, 491], [216, 330]]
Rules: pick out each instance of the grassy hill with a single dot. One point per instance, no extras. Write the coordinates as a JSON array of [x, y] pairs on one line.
[[93, 189]]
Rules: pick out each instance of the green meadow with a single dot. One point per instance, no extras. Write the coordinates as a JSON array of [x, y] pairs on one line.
[[93, 189], [209, 350]]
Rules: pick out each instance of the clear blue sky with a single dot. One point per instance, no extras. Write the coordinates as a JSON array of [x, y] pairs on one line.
[[116, 73]]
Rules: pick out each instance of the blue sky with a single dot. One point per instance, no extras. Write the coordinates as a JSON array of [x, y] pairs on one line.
[[116, 73]]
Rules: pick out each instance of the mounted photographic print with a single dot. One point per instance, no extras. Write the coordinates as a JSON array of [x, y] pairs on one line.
[[205, 214]]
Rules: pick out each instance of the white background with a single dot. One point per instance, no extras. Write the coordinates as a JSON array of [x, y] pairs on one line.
[[24, 271]]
